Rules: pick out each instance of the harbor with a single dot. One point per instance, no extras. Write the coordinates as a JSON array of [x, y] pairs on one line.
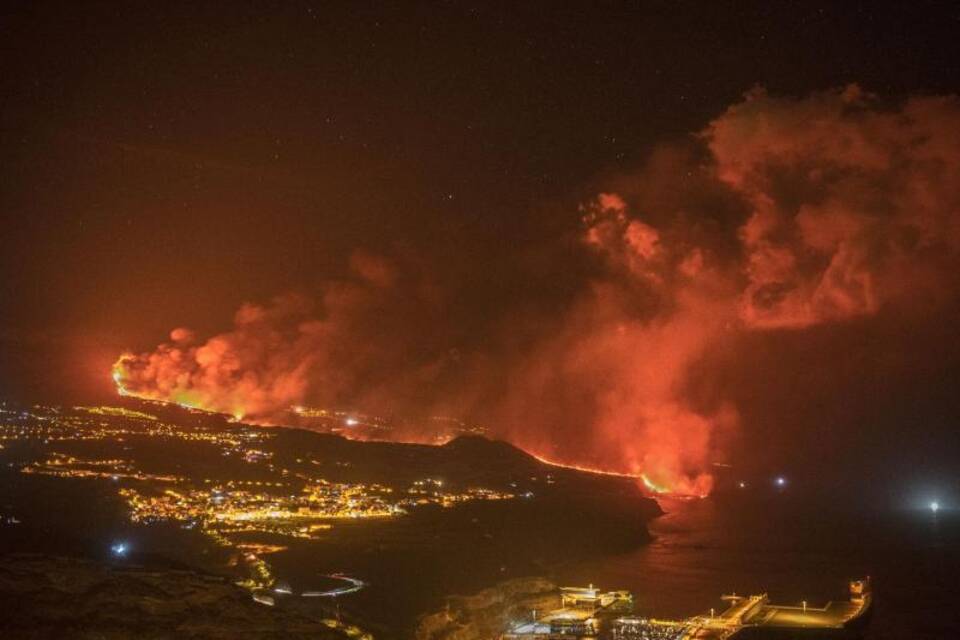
[[591, 613]]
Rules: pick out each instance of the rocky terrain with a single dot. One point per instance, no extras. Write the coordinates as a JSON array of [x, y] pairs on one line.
[[485, 614], [70, 598]]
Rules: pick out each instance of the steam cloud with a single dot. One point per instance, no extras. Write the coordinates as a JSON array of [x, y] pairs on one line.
[[337, 350], [782, 214], [849, 204]]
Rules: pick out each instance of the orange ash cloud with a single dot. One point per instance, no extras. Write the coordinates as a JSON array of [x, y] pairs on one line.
[[787, 214], [850, 202], [620, 369], [823, 209], [277, 355]]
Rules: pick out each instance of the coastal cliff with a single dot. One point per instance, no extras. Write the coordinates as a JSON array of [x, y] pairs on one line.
[[485, 614], [47, 597]]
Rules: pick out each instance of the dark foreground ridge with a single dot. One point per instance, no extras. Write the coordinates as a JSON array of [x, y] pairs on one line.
[[57, 597]]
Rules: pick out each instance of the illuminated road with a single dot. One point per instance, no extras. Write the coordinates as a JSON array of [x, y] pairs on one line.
[[352, 585]]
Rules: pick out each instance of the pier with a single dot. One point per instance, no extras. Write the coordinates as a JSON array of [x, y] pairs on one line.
[[587, 613]]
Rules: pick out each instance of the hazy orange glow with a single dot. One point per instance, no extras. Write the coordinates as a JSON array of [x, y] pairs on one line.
[[810, 211]]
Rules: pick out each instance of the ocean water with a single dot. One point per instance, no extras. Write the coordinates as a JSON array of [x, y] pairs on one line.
[[795, 549], [791, 547]]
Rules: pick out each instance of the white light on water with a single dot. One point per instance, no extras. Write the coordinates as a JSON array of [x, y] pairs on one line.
[[934, 506], [120, 549], [780, 481]]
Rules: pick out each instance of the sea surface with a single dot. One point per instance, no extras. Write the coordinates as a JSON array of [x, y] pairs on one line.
[[790, 546], [794, 548]]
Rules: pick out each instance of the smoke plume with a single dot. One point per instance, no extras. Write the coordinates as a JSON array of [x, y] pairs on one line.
[[345, 347], [851, 206], [783, 214], [617, 366]]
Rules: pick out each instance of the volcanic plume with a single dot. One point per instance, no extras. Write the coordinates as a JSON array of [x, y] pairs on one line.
[[783, 214], [344, 347], [851, 206], [619, 361]]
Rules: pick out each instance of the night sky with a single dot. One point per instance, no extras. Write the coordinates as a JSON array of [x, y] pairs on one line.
[[420, 178]]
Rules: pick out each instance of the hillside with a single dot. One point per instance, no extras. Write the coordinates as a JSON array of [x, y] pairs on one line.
[[65, 598]]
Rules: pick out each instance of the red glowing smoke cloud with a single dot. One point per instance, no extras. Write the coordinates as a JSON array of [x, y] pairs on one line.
[[254, 369], [279, 354], [620, 368], [849, 203], [790, 213]]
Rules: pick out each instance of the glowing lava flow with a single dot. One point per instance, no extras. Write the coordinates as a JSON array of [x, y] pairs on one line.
[[648, 484], [653, 486], [577, 467], [118, 374]]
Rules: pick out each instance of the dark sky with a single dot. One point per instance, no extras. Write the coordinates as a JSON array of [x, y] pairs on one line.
[[161, 165]]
